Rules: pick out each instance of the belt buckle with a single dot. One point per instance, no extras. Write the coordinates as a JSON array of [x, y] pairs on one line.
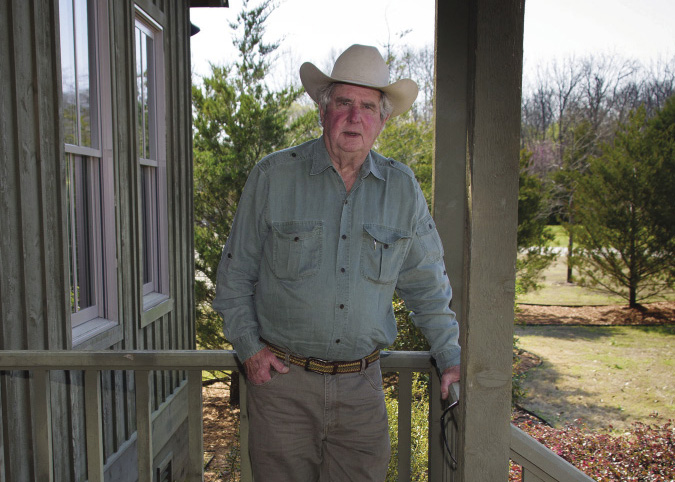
[[311, 359]]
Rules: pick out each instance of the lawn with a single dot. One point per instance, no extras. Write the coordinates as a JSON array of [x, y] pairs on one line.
[[555, 290], [606, 376], [598, 384]]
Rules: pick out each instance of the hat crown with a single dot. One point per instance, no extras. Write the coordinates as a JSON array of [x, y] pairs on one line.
[[361, 64]]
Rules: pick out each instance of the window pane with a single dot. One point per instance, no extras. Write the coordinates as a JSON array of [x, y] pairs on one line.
[[140, 94], [83, 77], [68, 73], [149, 223], [148, 117], [81, 231]]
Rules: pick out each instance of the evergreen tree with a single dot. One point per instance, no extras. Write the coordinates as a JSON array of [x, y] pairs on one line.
[[410, 142], [622, 248], [533, 235], [237, 121], [660, 139]]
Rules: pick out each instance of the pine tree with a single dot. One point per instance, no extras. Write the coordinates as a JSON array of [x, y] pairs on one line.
[[237, 121], [620, 248]]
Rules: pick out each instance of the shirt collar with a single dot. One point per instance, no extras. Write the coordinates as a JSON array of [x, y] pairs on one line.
[[322, 161]]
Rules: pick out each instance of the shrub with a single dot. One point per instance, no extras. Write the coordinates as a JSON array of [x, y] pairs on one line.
[[420, 430]]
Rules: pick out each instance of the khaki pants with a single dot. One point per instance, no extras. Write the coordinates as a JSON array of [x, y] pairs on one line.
[[307, 427]]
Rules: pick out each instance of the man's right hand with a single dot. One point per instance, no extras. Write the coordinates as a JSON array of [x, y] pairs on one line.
[[259, 366]]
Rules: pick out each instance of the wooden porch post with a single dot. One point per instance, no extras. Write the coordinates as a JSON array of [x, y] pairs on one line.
[[478, 81]]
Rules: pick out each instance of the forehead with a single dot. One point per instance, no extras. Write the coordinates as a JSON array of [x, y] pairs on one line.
[[356, 92]]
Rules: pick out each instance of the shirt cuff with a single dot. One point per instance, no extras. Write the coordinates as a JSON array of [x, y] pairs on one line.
[[447, 358], [248, 345]]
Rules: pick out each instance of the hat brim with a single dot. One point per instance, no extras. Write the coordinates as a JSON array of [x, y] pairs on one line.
[[401, 93]]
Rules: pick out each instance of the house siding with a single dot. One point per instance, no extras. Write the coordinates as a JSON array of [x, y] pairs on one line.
[[34, 267]]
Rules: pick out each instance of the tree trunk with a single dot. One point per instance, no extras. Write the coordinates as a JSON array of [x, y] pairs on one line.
[[570, 247]]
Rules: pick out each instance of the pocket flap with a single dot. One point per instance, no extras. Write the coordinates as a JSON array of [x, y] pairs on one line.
[[384, 234]]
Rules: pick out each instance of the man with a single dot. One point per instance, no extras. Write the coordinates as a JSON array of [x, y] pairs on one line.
[[324, 234]]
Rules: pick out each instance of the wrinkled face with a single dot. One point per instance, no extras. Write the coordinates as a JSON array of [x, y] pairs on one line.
[[351, 121]]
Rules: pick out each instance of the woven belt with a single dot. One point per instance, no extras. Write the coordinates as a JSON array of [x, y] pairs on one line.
[[324, 367]]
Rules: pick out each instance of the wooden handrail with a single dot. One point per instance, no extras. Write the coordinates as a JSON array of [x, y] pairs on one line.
[[538, 462]]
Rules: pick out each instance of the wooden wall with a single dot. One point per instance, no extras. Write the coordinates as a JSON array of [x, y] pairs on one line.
[[34, 279]]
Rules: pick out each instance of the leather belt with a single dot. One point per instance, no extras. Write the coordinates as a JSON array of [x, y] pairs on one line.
[[324, 367]]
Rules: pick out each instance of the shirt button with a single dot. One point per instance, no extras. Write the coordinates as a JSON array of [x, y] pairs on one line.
[[344, 236], [296, 239], [342, 307], [229, 255], [386, 246], [337, 341], [346, 202], [342, 270]]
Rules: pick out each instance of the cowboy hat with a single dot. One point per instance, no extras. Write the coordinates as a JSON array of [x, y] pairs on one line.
[[361, 65]]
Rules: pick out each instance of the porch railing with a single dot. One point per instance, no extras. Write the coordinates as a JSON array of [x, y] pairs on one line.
[[539, 463]]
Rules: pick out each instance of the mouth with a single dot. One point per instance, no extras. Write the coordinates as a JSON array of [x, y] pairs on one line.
[[352, 134]]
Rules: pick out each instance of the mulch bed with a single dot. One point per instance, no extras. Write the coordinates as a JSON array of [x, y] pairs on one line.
[[660, 313]]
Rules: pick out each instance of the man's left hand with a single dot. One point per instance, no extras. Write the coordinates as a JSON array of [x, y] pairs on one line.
[[449, 376]]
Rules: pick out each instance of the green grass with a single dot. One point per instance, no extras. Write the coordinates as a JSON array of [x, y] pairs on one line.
[[560, 236], [605, 376], [555, 290]]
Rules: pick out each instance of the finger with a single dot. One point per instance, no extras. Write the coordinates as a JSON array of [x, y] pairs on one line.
[[278, 365]]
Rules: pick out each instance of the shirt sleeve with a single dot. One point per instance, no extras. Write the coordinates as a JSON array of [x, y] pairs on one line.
[[239, 267], [424, 287]]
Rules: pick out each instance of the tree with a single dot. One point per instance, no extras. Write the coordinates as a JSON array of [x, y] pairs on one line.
[[619, 204], [533, 235], [660, 140], [237, 121], [410, 142]]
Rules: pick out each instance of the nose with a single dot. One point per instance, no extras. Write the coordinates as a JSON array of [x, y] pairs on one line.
[[354, 114]]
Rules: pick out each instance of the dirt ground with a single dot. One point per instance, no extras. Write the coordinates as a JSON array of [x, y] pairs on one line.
[[220, 432], [220, 427]]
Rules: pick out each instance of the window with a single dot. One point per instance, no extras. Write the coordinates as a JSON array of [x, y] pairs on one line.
[[89, 182], [150, 131]]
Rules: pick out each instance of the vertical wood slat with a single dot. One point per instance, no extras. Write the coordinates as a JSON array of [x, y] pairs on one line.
[[530, 476], [404, 423], [195, 426], [246, 473], [94, 425], [144, 424], [437, 466], [42, 414]]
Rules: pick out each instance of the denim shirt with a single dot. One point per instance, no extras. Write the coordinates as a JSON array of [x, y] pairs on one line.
[[313, 268]]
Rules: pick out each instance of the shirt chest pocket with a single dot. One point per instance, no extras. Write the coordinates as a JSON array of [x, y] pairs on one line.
[[296, 249], [382, 252]]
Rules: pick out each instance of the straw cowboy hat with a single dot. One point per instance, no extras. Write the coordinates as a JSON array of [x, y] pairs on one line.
[[361, 65]]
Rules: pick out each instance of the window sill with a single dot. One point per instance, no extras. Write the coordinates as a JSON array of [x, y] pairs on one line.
[[96, 334], [155, 305]]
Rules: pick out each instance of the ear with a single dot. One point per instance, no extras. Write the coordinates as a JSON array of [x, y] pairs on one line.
[[384, 123]]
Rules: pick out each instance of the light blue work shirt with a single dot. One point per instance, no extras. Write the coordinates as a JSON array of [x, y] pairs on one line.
[[312, 268]]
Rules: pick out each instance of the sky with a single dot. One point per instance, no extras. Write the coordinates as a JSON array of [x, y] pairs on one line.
[[318, 30]]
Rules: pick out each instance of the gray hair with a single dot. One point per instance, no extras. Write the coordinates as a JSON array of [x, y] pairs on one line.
[[324, 97]]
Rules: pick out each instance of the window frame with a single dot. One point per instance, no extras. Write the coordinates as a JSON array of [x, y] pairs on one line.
[[152, 177], [96, 325]]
